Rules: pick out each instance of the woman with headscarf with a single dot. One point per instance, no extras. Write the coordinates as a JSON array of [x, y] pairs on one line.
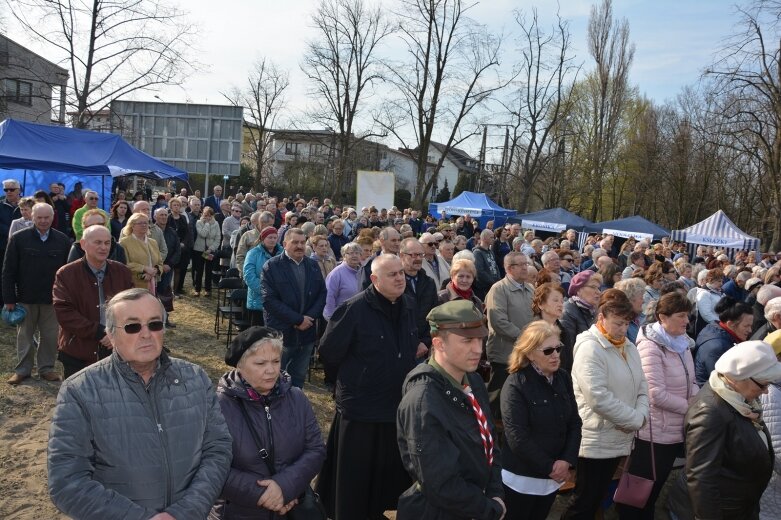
[[729, 454], [579, 311], [612, 396], [265, 412]]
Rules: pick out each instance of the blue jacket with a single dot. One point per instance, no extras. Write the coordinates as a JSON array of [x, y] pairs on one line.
[[712, 342], [253, 266], [281, 298], [337, 241]]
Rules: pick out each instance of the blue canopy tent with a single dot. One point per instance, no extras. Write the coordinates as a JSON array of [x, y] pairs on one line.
[[630, 227], [37, 155], [718, 231], [555, 221], [476, 205]]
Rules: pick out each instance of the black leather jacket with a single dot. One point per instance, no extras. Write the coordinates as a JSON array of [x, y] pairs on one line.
[[727, 464]]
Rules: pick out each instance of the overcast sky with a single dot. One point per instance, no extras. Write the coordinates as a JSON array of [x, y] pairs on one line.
[[674, 39]]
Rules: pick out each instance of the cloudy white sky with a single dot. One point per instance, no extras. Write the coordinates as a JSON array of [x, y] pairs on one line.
[[675, 40]]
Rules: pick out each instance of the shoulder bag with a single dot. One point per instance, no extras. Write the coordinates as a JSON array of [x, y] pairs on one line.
[[309, 505], [634, 490]]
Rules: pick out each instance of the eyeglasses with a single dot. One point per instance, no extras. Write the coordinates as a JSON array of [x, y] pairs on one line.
[[135, 328], [415, 255], [550, 350], [432, 244], [760, 385], [567, 259], [9, 189], [595, 287], [88, 198], [141, 223]]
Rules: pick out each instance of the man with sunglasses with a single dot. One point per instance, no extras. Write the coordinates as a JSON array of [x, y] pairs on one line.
[[9, 211], [90, 202], [138, 434], [81, 290]]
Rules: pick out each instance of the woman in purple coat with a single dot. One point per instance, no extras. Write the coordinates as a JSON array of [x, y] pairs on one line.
[[257, 396]]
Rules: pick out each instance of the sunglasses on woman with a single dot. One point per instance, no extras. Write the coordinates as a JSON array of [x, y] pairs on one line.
[[135, 328], [550, 350], [760, 385]]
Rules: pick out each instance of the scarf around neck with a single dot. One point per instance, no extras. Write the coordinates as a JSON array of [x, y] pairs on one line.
[[583, 304], [750, 410], [618, 343], [678, 344], [467, 295]]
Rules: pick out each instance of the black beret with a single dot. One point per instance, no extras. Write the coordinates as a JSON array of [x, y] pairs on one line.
[[245, 339]]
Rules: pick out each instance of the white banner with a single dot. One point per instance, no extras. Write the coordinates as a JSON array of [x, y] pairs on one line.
[[456, 210], [375, 189], [543, 226], [735, 243], [628, 234]]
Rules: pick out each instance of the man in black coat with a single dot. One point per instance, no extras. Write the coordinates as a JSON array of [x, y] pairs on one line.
[[32, 259], [372, 339], [420, 287]]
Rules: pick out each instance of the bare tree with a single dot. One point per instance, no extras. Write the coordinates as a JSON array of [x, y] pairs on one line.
[[342, 65], [608, 44], [112, 47], [538, 101], [446, 78], [746, 76], [264, 99]]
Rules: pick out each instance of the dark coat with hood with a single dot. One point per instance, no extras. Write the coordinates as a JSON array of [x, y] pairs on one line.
[[299, 451], [541, 422], [712, 342], [442, 450]]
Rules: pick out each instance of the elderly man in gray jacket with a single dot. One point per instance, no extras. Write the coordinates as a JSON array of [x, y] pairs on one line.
[[508, 305], [138, 435]]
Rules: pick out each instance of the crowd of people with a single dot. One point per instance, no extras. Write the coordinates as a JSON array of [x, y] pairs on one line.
[[474, 371]]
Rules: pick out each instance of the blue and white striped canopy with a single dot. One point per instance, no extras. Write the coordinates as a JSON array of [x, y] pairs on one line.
[[717, 230]]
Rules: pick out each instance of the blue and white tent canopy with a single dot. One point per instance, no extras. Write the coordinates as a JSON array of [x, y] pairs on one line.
[[717, 230]]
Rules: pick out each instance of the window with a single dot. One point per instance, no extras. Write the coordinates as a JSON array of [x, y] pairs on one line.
[[19, 91], [291, 148], [317, 150]]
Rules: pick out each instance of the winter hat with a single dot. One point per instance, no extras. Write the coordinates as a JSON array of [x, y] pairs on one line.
[[268, 231], [750, 359]]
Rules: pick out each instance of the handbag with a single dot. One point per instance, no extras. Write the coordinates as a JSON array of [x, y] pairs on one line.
[[309, 506], [633, 490]]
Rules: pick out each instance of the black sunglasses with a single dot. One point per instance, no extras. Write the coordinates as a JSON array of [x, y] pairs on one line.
[[9, 189], [548, 351], [135, 328], [760, 385]]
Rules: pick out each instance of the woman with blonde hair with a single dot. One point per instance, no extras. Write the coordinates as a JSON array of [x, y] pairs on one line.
[[462, 276], [541, 441], [142, 252]]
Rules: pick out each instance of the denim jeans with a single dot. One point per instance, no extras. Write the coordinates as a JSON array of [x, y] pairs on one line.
[[295, 360]]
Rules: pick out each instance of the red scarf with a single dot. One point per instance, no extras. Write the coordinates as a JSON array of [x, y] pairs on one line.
[[467, 295], [734, 337]]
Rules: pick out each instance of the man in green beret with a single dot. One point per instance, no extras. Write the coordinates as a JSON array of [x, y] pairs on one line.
[[445, 429]]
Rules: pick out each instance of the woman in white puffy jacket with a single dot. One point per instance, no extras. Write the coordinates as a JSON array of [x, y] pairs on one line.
[[612, 396], [770, 504]]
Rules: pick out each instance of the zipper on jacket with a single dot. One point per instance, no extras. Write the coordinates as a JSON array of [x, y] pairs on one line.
[[164, 445]]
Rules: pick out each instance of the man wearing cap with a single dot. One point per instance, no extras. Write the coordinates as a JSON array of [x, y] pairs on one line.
[[139, 434], [372, 340], [446, 433], [509, 309]]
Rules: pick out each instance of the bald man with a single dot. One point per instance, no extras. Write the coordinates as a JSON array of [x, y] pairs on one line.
[[81, 290]]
